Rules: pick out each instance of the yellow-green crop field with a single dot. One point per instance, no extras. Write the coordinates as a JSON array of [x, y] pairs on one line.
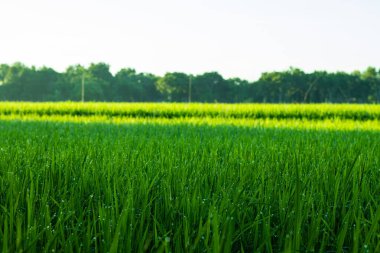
[[161, 177]]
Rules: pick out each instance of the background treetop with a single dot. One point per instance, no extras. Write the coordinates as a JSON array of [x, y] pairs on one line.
[[19, 82]]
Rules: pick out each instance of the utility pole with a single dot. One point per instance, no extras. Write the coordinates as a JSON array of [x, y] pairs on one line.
[[190, 88], [83, 87]]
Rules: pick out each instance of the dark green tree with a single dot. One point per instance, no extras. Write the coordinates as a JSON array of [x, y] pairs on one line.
[[372, 77], [212, 87], [174, 86], [135, 87]]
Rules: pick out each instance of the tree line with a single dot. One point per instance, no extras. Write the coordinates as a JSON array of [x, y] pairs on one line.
[[19, 82]]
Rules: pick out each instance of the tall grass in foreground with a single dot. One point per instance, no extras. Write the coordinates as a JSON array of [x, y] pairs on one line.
[[179, 188]]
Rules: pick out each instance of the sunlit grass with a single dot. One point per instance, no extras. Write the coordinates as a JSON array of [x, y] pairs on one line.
[[122, 183], [326, 124], [180, 110]]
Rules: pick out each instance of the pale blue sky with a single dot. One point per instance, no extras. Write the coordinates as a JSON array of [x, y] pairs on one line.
[[237, 38]]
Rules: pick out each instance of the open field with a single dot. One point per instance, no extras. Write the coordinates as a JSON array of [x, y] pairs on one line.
[[99, 177]]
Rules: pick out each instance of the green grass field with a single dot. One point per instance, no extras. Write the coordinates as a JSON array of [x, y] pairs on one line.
[[100, 177]]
